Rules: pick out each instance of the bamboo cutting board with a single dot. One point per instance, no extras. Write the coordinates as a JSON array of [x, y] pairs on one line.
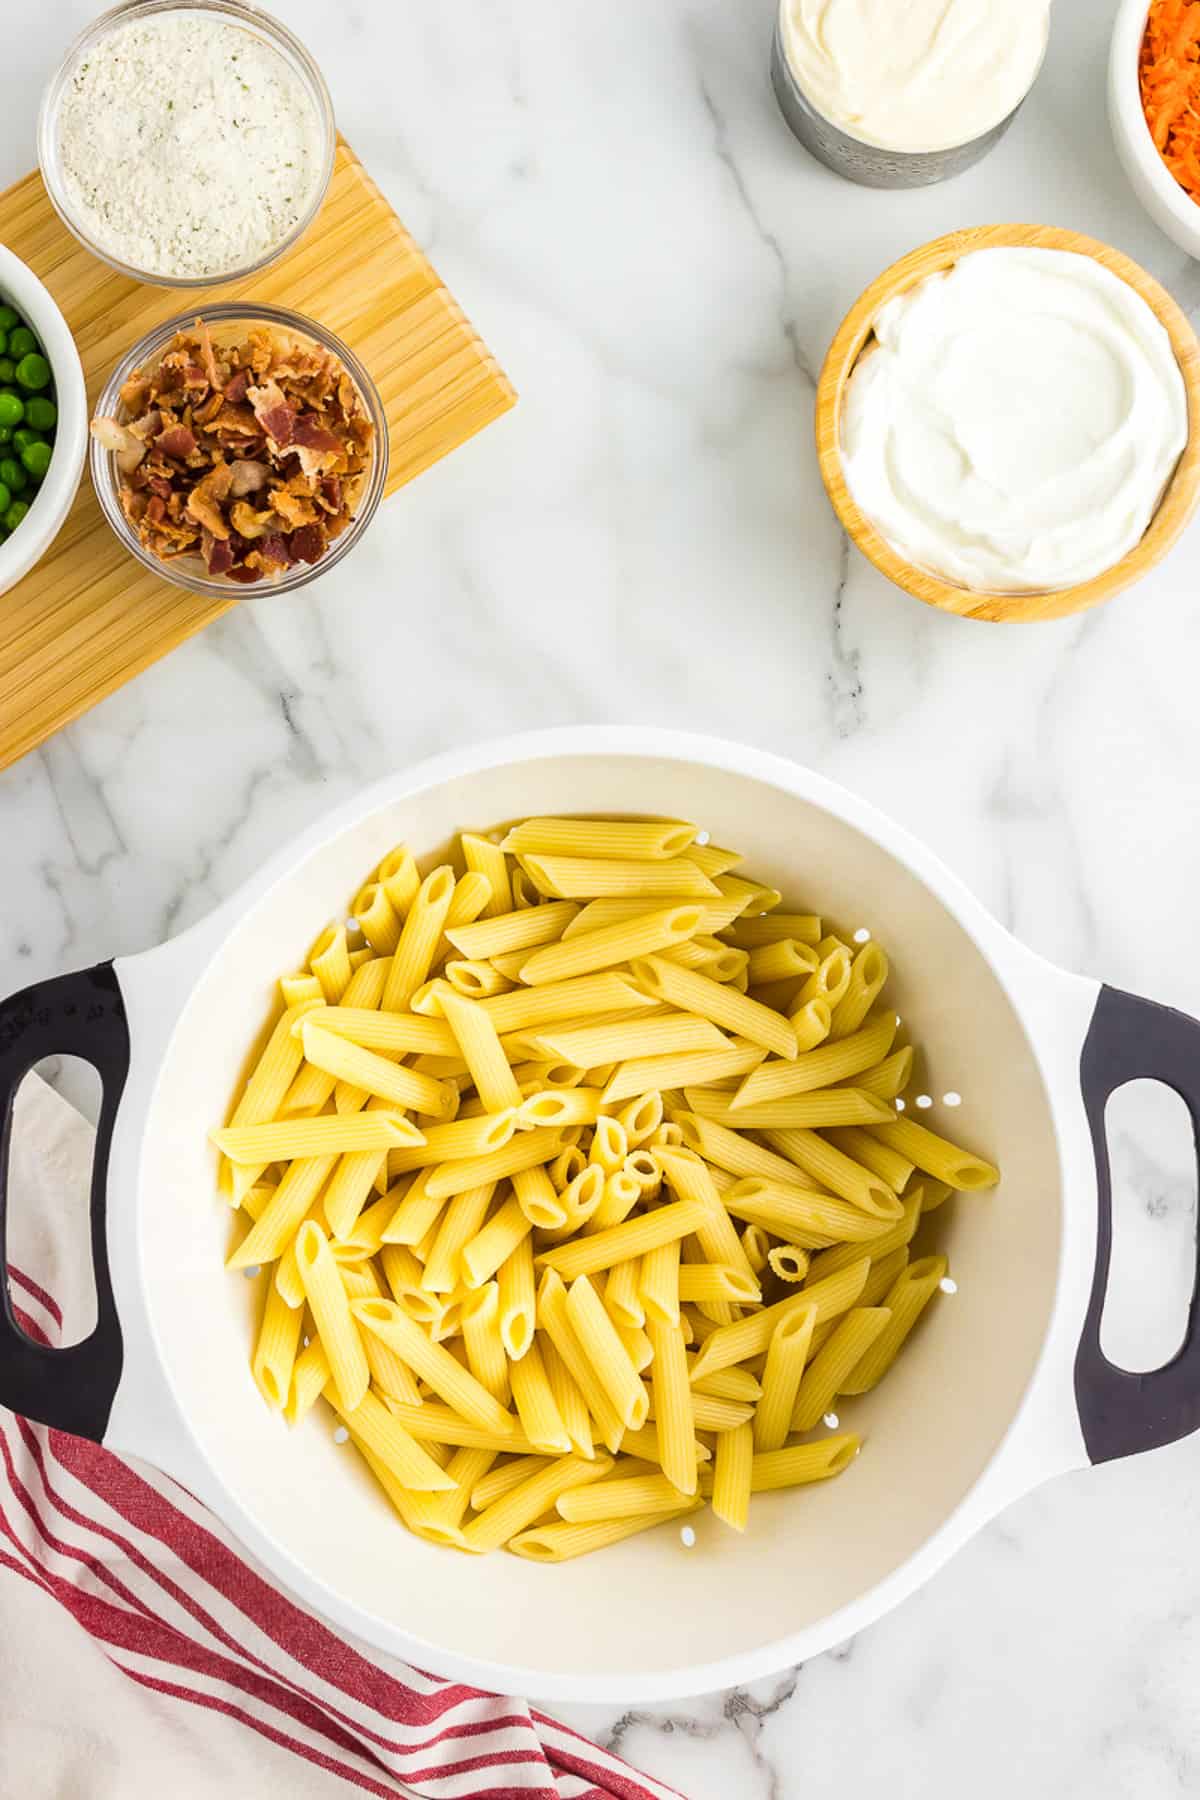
[[88, 617]]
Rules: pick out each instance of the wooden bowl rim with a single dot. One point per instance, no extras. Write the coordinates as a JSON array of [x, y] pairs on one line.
[[1174, 510]]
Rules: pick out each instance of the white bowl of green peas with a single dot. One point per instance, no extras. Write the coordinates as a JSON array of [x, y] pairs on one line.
[[43, 419]]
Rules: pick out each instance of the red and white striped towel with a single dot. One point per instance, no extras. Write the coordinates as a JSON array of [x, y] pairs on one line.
[[164, 1596]]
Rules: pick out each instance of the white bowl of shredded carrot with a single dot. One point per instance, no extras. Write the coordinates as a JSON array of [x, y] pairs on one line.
[[1154, 105]]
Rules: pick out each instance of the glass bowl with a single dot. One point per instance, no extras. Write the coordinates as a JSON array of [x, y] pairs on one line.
[[260, 25], [189, 571]]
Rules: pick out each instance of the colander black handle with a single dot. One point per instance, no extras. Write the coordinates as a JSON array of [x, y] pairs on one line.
[[82, 1015], [1122, 1413]]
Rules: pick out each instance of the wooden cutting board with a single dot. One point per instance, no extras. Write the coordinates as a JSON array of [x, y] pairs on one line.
[[89, 616]]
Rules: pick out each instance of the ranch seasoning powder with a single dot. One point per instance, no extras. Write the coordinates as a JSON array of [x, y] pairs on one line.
[[188, 146]]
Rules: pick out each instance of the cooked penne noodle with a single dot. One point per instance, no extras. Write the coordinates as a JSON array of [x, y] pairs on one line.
[[749, 934], [655, 840], [494, 1244], [787, 1354], [597, 878], [749, 1337], [667, 1035], [568, 1398], [868, 972], [798, 1464], [819, 1068], [518, 1307], [906, 1300], [561, 1106], [757, 1244], [728, 1384], [882, 1160], [708, 954], [461, 1138], [640, 1119], [610, 945], [457, 1386], [780, 961], [377, 918], [540, 1418], [461, 1221], [644, 1168], [820, 1160], [937, 1156], [555, 1321], [718, 1281], [715, 915], [843, 1352], [658, 1073], [332, 1312], [609, 1146], [482, 857], [658, 1284], [329, 960], [811, 1021], [537, 1199], [419, 939], [284, 1213], [295, 989], [386, 1032], [633, 1498], [398, 877], [818, 1110], [934, 1193], [359, 1280], [486, 1356], [788, 1261], [674, 1406], [583, 997], [349, 1188], [732, 1469], [502, 1478], [603, 1249], [561, 1542], [622, 1293], [888, 1079], [526, 1151], [385, 1436], [716, 1233], [392, 1377], [537, 1494], [348, 1061], [476, 980], [417, 1210], [435, 1424], [275, 1351], [804, 1217], [310, 1374], [895, 1237], [290, 1139], [717, 1001], [486, 1062], [497, 935], [601, 1344]]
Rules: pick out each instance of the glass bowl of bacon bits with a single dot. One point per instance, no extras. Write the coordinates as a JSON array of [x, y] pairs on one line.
[[246, 449]]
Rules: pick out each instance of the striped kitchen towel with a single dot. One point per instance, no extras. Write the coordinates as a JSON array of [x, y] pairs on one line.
[[160, 1592]]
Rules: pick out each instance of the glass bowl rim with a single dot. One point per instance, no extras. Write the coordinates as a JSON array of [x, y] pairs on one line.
[[106, 484], [255, 18]]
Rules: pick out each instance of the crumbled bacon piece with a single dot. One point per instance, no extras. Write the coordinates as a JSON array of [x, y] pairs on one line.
[[176, 441], [248, 455]]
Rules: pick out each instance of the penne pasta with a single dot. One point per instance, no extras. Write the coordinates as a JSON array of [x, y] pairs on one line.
[[652, 1073], [732, 1469], [291, 1139], [906, 1300], [798, 1464], [656, 840], [715, 915], [824, 1163], [275, 1351], [537, 1494], [716, 1001], [601, 1344], [498, 934], [331, 1309], [819, 1068], [561, 1542], [541, 1420], [610, 945], [458, 1387], [749, 1337], [598, 878], [818, 1110], [937, 1156]]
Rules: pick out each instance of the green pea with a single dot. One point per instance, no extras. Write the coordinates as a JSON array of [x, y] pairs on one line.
[[36, 458], [8, 318], [12, 474], [8, 369], [33, 371], [6, 434], [15, 513], [5, 499], [41, 413], [21, 341], [12, 408], [23, 436]]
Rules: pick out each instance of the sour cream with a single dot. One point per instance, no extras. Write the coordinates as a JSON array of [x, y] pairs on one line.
[[915, 75], [1015, 421]]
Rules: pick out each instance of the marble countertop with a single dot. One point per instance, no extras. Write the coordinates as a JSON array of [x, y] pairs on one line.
[[611, 194]]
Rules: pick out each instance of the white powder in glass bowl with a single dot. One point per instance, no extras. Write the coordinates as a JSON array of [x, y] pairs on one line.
[[187, 145]]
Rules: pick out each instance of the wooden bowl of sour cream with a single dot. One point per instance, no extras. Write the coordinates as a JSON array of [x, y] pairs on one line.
[[1179, 496]]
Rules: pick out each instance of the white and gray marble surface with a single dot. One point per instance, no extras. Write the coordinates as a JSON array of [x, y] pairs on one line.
[[610, 192]]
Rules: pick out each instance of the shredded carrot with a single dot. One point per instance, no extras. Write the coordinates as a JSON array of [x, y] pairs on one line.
[[1170, 82]]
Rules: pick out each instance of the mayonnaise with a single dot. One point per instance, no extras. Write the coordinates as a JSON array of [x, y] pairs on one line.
[[1014, 424], [915, 75]]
